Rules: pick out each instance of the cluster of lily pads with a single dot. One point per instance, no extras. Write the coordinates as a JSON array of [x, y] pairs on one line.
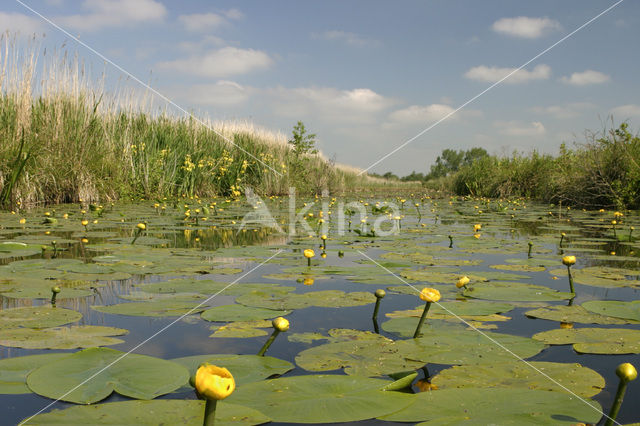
[[435, 283]]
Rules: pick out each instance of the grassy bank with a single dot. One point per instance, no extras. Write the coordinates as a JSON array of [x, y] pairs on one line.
[[602, 172], [64, 138]]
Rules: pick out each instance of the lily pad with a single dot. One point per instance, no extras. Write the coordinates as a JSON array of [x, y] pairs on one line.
[[37, 317], [613, 308], [325, 298], [13, 371], [594, 340], [321, 398], [228, 313], [241, 329], [154, 308], [81, 336], [169, 411], [600, 276], [515, 291], [464, 309], [244, 368], [572, 314], [93, 374], [487, 405], [577, 379]]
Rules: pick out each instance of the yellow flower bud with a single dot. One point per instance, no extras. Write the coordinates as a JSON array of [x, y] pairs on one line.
[[429, 294], [569, 260], [141, 226], [323, 237], [463, 281], [309, 253], [23, 221], [626, 372], [84, 222], [214, 382], [477, 227], [308, 281], [380, 293], [280, 324]]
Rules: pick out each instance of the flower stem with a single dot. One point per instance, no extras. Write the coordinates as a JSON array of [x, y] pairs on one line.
[[210, 412], [570, 279], [268, 342], [308, 261], [375, 310], [424, 315], [617, 402]]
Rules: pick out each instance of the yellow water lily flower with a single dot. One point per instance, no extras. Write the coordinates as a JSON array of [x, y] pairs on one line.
[[626, 372], [462, 282], [84, 222], [280, 324], [309, 253], [477, 227], [430, 295], [308, 281], [141, 226], [214, 382], [569, 260]]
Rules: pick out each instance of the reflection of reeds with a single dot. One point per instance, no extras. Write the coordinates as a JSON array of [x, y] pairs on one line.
[[88, 143]]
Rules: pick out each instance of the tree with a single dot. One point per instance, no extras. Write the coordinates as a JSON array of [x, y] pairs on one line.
[[302, 142]]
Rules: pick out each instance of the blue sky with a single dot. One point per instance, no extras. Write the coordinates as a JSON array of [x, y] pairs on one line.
[[367, 75]]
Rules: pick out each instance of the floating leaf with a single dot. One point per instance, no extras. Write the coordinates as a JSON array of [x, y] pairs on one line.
[[155, 308], [594, 340], [325, 298], [37, 317], [242, 329], [81, 336], [487, 405], [613, 308], [321, 399], [464, 309], [521, 268], [83, 378], [600, 276], [514, 291], [169, 411], [572, 314], [13, 371], [244, 368], [227, 313], [513, 375]]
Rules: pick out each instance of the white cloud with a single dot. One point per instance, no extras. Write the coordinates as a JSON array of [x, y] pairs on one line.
[[624, 112], [494, 74], [220, 63], [586, 77], [326, 103], [200, 22], [350, 39], [114, 13], [19, 23], [222, 93], [570, 110], [517, 128], [525, 27], [421, 114]]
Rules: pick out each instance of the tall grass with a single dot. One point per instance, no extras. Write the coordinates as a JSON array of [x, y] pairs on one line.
[[63, 137], [604, 171]]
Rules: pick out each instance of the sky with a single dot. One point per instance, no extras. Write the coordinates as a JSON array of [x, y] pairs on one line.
[[366, 76]]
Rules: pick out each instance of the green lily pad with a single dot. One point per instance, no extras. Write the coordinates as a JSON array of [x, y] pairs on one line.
[[13, 371], [93, 374], [464, 309], [577, 379], [168, 411], [613, 308], [520, 268], [228, 313], [81, 336], [9, 249], [241, 329], [594, 340], [325, 298], [572, 314], [515, 291], [154, 308], [487, 405], [600, 276], [37, 317], [321, 399], [244, 368]]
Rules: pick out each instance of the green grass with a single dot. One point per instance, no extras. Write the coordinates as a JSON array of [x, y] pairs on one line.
[[70, 140]]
